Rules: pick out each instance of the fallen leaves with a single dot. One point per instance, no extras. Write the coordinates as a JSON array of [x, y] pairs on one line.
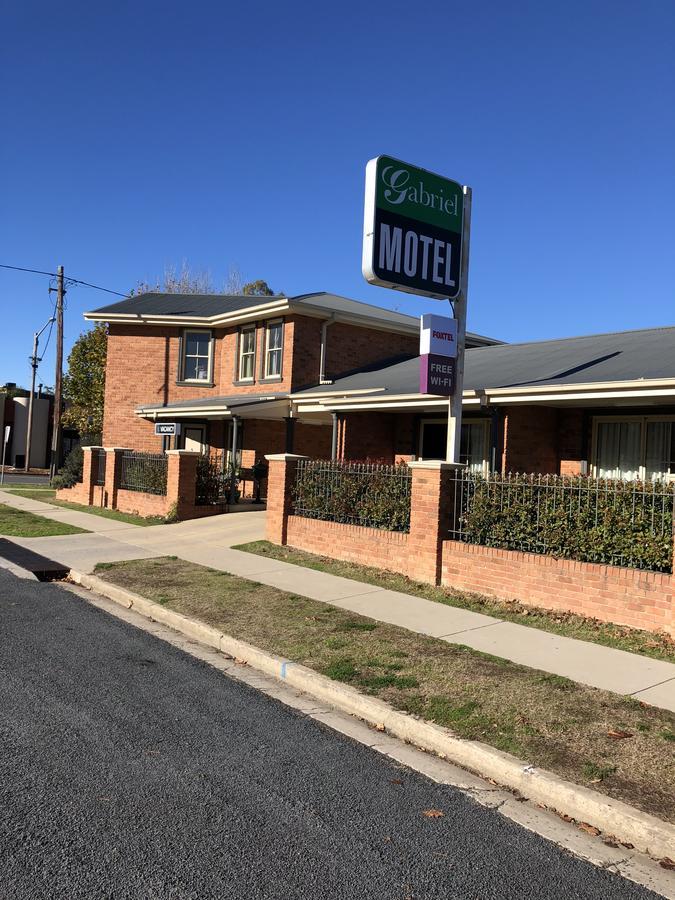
[[667, 863], [433, 813], [618, 735], [589, 829]]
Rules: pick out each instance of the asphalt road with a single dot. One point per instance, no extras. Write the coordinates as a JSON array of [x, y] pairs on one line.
[[131, 770], [14, 478]]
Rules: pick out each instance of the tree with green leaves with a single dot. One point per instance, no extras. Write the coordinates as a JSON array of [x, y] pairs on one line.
[[84, 383], [257, 288]]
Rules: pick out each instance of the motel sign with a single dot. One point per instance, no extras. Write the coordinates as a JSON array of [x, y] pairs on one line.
[[412, 233]]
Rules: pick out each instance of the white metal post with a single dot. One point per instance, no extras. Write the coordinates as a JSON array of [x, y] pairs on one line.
[[5, 440], [455, 405]]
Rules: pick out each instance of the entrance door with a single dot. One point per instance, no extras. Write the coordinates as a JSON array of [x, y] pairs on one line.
[[194, 439]]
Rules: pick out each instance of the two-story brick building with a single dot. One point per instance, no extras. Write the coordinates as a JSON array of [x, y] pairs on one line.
[[225, 367]]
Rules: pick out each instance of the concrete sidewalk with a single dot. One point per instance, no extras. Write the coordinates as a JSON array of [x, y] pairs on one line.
[[209, 542]]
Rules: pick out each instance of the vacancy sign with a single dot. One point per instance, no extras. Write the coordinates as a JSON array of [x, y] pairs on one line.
[[412, 234], [438, 355]]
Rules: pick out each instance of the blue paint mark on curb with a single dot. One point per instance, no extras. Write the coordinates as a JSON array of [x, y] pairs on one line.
[[283, 669]]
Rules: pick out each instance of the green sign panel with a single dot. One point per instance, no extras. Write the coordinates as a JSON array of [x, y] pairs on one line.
[[412, 229]]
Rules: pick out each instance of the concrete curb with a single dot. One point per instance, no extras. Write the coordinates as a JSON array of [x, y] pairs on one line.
[[647, 833]]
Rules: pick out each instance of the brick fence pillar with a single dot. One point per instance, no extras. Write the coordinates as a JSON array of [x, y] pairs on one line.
[[431, 510], [90, 472], [181, 482], [113, 471], [280, 479]]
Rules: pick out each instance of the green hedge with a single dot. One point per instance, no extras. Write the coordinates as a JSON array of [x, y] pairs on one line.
[[625, 523], [367, 494]]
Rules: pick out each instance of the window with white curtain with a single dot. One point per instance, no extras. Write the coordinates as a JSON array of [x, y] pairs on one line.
[[635, 447], [274, 335], [196, 364]]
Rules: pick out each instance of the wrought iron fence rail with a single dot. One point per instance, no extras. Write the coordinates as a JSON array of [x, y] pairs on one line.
[[99, 463], [623, 523], [144, 472], [213, 480], [367, 494]]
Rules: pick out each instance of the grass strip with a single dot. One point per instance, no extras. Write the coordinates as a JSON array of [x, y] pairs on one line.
[[657, 645], [20, 523], [617, 745], [48, 495]]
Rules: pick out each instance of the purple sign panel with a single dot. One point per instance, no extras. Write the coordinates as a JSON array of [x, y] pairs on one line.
[[437, 375]]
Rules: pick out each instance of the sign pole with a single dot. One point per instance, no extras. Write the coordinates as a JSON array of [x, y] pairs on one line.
[[5, 441], [452, 452]]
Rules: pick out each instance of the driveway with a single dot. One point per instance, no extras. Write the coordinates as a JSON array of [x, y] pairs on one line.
[[131, 770], [108, 540]]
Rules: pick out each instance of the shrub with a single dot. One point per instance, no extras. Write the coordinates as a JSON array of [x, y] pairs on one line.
[[377, 496], [71, 470], [592, 520]]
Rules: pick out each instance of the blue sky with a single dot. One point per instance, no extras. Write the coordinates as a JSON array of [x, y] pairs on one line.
[[136, 135]]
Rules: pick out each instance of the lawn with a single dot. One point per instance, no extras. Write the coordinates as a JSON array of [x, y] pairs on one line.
[[617, 745], [19, 523], [47, 495], [658, 645]]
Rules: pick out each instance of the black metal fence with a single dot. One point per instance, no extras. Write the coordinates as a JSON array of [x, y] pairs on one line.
[[213, 482], [98, 459], [367, 494], [622, 523], [144, 472]]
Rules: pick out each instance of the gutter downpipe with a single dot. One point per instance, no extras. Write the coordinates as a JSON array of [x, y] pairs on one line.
[[324, 340], [334, 439], [233, 461]]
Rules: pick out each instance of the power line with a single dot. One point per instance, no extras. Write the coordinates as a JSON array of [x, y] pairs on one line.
[[69, 280]]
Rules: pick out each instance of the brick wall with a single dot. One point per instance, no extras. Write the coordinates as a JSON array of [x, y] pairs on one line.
[[531, 440], [629, 597], [367, 546], [626, 596], [143, 366]]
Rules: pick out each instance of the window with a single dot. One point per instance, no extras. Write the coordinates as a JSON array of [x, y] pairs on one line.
[[196, 364], [473, 444], [635, 447], [246, 354], [274, 334]]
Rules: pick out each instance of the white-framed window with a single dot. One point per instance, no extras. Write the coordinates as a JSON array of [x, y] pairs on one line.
[[246, 365], [197, 361], [274, 339], [634, 447], [474, 443]]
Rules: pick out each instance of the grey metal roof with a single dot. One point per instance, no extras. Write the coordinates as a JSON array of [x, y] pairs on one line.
[[231, 402], [207, 305], [617, 356], [199, 305]]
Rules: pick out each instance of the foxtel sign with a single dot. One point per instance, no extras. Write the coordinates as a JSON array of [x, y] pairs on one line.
[[412, 233], [438, 355]]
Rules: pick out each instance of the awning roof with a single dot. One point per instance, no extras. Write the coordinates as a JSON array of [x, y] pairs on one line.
[[245, 405], [629, 363]]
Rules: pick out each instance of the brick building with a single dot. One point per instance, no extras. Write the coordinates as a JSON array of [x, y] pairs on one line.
[[224, 368], [600, 404]]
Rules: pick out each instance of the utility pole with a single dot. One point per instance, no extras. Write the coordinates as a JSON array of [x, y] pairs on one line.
[[56, 422], [34, 361]]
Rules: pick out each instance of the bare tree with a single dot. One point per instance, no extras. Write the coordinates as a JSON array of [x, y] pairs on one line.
[[198, 281]]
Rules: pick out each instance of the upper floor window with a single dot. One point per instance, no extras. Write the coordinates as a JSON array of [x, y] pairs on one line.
[[246, 366], [274, 335], [196, 364]]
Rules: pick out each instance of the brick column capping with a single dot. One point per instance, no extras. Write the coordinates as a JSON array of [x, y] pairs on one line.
[[431, 510], [88, 485], [113, 466], [280, 480], [181, 481]]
